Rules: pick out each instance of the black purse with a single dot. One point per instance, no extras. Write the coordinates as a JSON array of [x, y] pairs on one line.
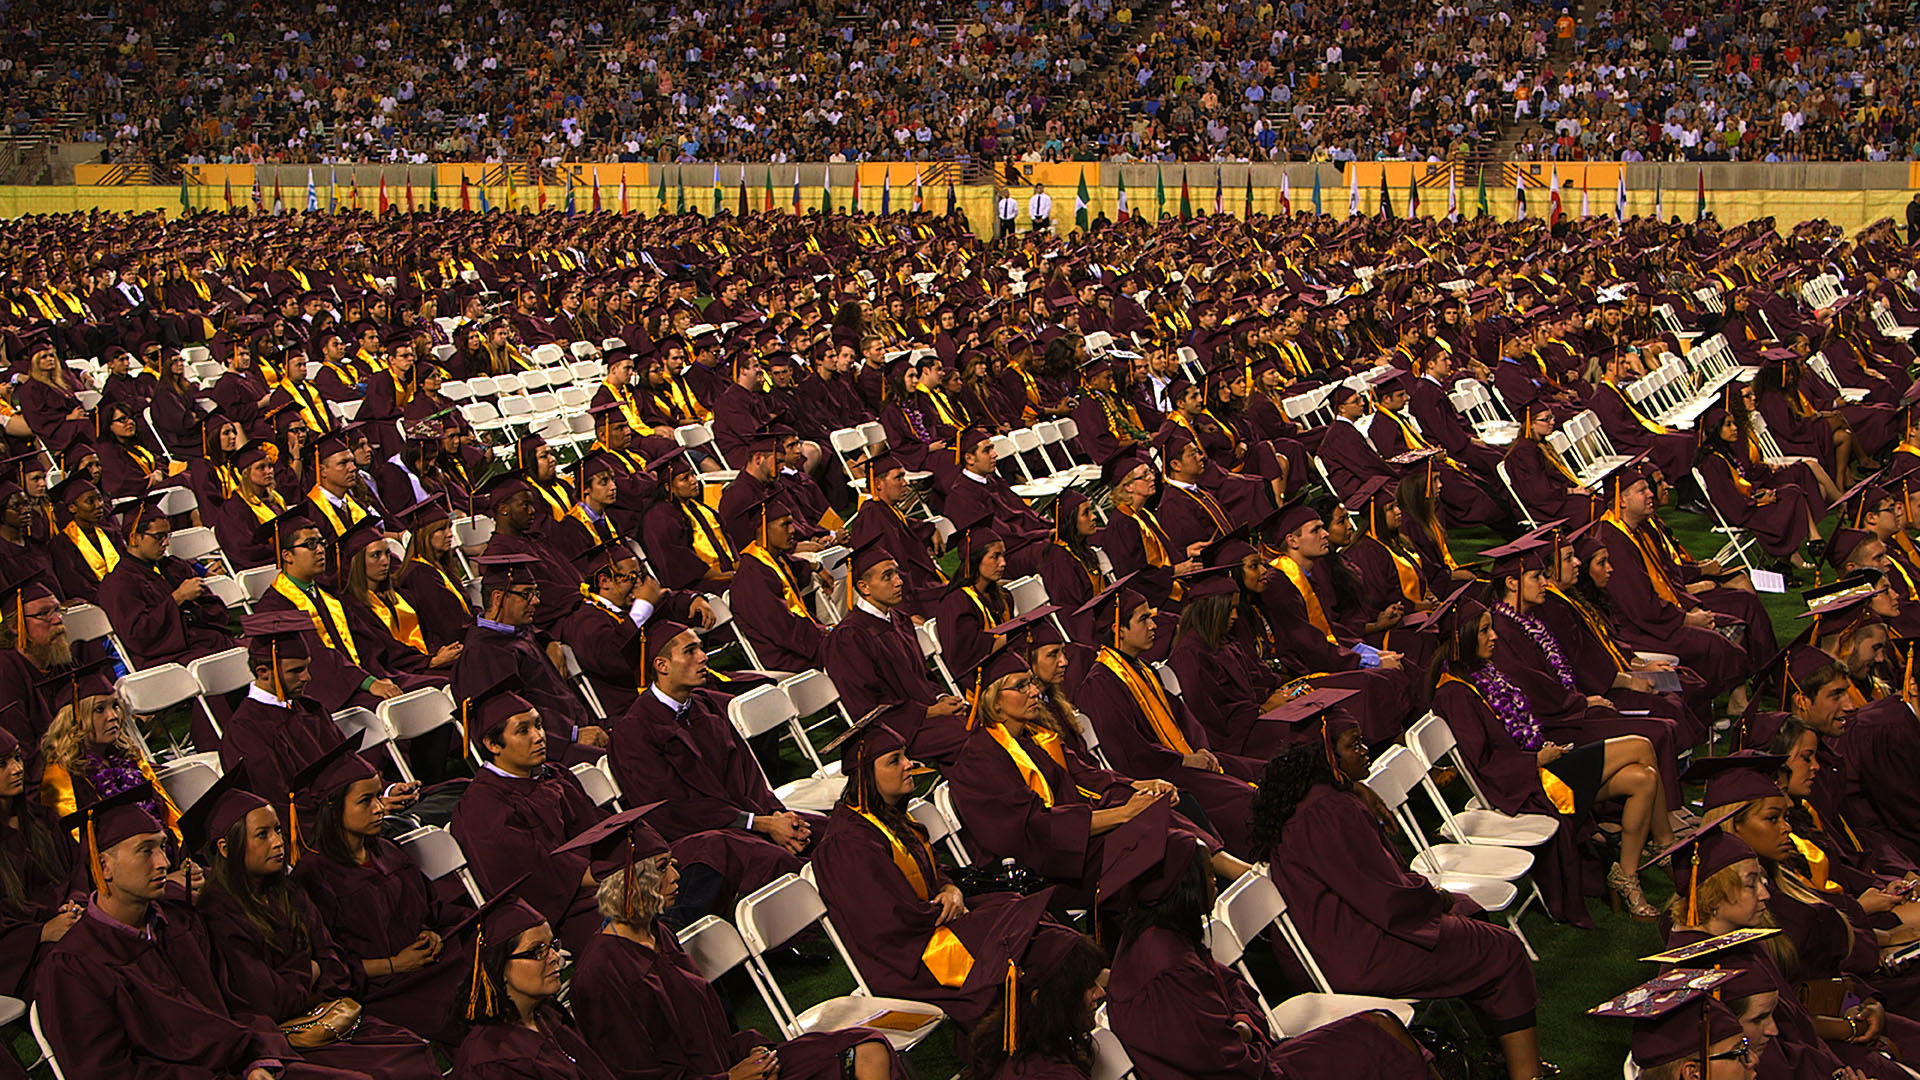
[[1002, 877]]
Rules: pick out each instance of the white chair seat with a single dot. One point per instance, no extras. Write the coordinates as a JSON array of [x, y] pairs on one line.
[[1491, 895], [839, 1013], [1303, 1012], [817, 793], [1495, 828], [1474, 860]]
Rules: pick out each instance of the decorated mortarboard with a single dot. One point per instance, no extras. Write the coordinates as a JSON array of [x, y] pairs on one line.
[[1676, 1016], [111, 821], [1308, 718], [1740, 777], [218, 809]]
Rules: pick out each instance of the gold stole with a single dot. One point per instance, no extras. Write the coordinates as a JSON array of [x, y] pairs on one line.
[[601, 531], [1553, 456], [1315, 614], [97, 549], [56, 791], [1657, 429], [789, 589], [683, 402], [1029, 772], [1414, 441], [1844, 827], [1740, 483], [355, 512], [400, 619], [1220, 523], [708, 542], [1595, 626], [557, 500], [1819, 866], [317, 415], [945, 955], [334, 613], [447, 582], [944, 409], [629, 408], [264, 510], [1558, 793], [140, 455], [1411, 585], [1150, 697], [1659, 577], [1151, 535]]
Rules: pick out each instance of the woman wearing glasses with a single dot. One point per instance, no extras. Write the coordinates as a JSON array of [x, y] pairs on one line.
[[517, 1029]]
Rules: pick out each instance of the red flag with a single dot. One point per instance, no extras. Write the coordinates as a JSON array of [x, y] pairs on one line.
[[277, 204], [596, 191], [383, 193], [229, 193], [409, 190], [623, 191], [466, 194], [543, 196]]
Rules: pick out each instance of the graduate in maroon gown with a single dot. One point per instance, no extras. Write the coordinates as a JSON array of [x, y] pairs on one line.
[[1780, 515], [382, 913], [978, 492], [908, 928], [277, 730], [499, 643], [770, 589], [914, 543], [683, 537], [1227, 690], [271, 951], [1373, 926], [977, 602], [589, 522], [430, 577], [517, 1030], [153, 958], [1057, 992], [874, 658], [641, 1001], [604, 631], [237, 519], [39, 893], [675, 744], [1069, 568], [1180, 1013], [519, 808], [515, 509], [1149, 735], [159, 605], [1188, 513], [85, 551], [1546, 487], [385, 626]]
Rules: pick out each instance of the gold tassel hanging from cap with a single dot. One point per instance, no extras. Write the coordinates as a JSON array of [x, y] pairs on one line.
[[1010, 1030], [481, 990], [94, 869], [293, 832]]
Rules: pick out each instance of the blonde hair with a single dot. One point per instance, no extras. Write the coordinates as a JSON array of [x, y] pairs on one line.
[[990, 696], [69, 739], [1780, 878], [610, 896]]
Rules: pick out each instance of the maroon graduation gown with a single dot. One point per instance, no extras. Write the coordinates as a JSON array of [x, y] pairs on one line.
[[1649, 621], [782, 640], [41, 896], [668, 537], [276, 742], [1174, 1006], [489, 654], [169, 1018], [509, 826], [47, 410], [73, 577], [1377, 928], [1070, 585], [1542, 488], [1130, 743], [444, 611], [1509, 776], [336, 679], [1876, 755], [1441, 424], [1224, 688], [910, 543], [651, 1016], [1350, 459], [559, 582], [285, 987], [1462, 499], [121, 475], [886, 923], [373, 911], [1023, 530], [1386, 696], [1595, 665], [875, 662], [1191, 516], [238, 531], [1671, 451], [963, 618], [511, 1052], [138, 599], [1781, 526]]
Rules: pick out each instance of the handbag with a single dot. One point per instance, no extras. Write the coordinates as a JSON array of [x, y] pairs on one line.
[[329, 1022], [1003, 877]]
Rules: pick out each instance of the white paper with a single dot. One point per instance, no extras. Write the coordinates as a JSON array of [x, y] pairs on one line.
[[1767, 581]]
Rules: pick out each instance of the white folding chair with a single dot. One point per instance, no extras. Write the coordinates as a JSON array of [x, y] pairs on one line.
[[417, 712], [435, 851], [1393, 777], [1432, 740], [598, 782], [40, 1039], [929, 638], [186, 779], [937, 815], [942, 797], [714, 946], [765, 708], [155, 690], [768, 918], [373, 732], [1239, 915], [257, 581], [85, 622], [1110, 1059], [217, 676], [813, 694], [1739, 539]]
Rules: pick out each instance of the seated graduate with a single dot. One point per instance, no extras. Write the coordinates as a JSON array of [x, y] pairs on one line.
[[1133, 538], [159, 605], [515, 509], [519, 808], [1780, 515], [271, 950], [134, 945], [1148, 735], [500, 643], [977, 601], [1057, 992], [517, 1027], [1069, 568], [1227, 690], [1025, 796], [675, 744], [383, 915], [642, 1003], [85, 551], [768, 595], [1519, 771], [682, 535], [37, 908], [882, 519], [237, 519], [873, 656], [276, 729], [977, 491], [1374, 926], [384, 623], [1543, 482], [431, 575], [1162, 969], [589, 521], [620, 597], [909, 929], [1724, 889], [87, 752]]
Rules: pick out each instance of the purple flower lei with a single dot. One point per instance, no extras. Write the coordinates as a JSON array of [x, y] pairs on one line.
[[1509, 704], [1549, 644], [112, 772]]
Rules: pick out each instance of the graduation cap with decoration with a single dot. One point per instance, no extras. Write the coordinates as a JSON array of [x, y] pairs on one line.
[[1677, 1016]]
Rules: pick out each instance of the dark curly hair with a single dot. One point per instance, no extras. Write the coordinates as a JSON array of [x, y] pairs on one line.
[[1054, 1022], [1285, 783]]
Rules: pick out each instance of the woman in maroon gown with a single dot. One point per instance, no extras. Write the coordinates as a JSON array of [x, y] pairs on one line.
[[47, 400], [37, 884], [1227, 690], [977, 601], [910, 931], [1374, 926], [430, 577], [380, 911], [642, 1003], [1068, 567], [271, 951], [1180, 1013], [127, 469], [518, 1029], [1779, 515], [1059, 990]]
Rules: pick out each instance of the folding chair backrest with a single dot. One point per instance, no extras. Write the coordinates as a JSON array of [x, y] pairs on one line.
[[1393, 776], [157, 689], [257, 580], [86, 622], [1168, 678], [810, 692], [191, 544], [186, 780], [1110, 1060], [596, 782], [930, 818], [772, 914], [221, 673], [40, 1038], [435, 851], [759, 711], [1433, 741], [1029, 592], [1223, 942], [417, 712], [1249, 905], [714, 945], [942, 797]]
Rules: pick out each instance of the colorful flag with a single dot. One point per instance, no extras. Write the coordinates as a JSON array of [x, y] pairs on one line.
[[279, 205], [1620, 197], [1082, 207], [769, 206], [540, 186], [826, 188], [571, 207], [1700, 200], [229, 192], [259, 200], [409, 190], [513, 204], [680, 191], [1249, 199], [313, 195], [186, 199], [383, 193], [1554, 209], [433, 190], [1160, 190], [1120, 204], [1484, 208], [660, 203], [1317, 211], [953, 200], [1386, 197], [353, 188], [485, 206], [743, 191], [719, 193], [1586, 201], [1519, 195], [854, 206], [886, 193], [1286, 191], [333, 187], [466, 193], [1186, 196], [596, 191], [917, 204], [1353, 188], [797, 208], [623, 191], [1659, 199]]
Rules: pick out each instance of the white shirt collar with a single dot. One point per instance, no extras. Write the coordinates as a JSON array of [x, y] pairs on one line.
[[678, 707], [863, 604], [974, 476], [265, 697]]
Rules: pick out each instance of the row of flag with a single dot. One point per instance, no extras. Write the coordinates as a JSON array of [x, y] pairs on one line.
[[1082, 202]]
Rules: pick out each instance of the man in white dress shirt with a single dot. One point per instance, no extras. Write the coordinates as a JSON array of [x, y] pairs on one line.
[[1040, 209], [1006, 215]]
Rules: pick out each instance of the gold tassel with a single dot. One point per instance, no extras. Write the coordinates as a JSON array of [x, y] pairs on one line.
[[93, 859], [293, 832], [1693, 890], [481, 985], [1011, 1028]]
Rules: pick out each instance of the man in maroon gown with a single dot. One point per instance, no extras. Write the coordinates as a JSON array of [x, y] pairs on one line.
[[514, 512], [914, 543], [978, 491], [340, 678], [277, 730], [498, 644], [604, 631], [874, 658], [158, 605]]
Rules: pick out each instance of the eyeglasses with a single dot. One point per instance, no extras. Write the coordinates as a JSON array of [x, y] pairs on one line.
[[1741, 1052], [542, 951], [52, 614], [314, 544], [529, 593]]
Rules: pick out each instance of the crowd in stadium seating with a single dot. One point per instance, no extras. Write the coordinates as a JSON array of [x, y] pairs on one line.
[[1032, 79]]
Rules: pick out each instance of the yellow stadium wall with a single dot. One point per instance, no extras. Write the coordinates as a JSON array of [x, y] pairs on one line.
[[1849, 209]]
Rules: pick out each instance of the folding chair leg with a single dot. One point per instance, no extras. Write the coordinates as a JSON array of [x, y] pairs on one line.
[[212, 720], [399, 761], [1513, 924]]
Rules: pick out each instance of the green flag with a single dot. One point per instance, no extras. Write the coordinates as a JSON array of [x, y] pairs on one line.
[[1483, 192], [1160, 191], [769, 206], [433, 190], [662, 205], [186, 200], [1081, 207], [679, 192]]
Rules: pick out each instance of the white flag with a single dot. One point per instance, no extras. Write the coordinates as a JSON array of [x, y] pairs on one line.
[[1353, 188], [1453, 193], [1620, 197]]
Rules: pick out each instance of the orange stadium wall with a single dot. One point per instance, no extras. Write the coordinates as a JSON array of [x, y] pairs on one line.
[[1851, 195]]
